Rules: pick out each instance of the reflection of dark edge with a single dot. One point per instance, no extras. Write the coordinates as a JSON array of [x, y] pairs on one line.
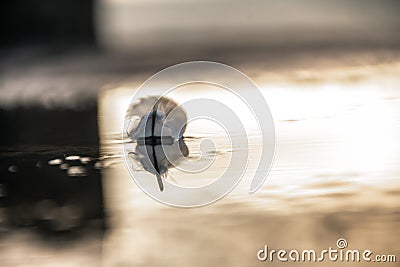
[[30, 136], [153, 146]]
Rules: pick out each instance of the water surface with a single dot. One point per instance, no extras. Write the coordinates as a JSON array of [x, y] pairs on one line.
[[336, 174]]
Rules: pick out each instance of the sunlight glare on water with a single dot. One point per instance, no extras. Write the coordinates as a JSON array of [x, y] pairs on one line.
[[335, 173]]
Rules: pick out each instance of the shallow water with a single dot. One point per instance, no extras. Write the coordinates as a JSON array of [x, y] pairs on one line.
[[335, 175]]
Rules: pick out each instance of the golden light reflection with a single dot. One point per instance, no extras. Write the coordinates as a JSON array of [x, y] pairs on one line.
[[336, 172], [341, 124]]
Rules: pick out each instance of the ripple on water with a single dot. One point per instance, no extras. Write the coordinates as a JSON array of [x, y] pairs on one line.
[[76, 171], [55, 162], [72, 157]]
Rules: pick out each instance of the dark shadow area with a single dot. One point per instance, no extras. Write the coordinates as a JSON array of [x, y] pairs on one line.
[[49, 179], [49, 169], [54, 22]]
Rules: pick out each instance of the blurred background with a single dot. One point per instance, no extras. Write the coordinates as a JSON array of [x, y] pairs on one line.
[[68, 69]]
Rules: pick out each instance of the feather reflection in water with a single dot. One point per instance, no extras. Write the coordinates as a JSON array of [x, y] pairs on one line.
[[157, 125]]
